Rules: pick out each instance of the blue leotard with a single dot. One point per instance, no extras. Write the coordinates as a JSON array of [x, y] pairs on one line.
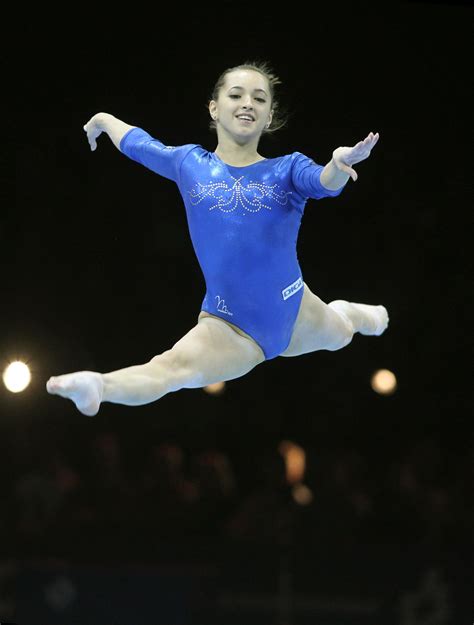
[[244, 224]]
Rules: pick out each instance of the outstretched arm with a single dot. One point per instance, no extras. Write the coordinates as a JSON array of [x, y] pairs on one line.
[[338, 171], [104, 122]]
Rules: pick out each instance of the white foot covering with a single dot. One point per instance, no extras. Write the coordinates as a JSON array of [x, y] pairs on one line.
[[84, 388], [366, 319]]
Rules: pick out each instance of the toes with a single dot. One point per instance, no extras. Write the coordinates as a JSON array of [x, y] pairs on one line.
[[53, 385]]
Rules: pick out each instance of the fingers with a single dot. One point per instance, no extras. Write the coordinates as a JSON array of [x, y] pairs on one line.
[[367, 143], [371, 139], [362, 149], [348, 170], [344, 157]]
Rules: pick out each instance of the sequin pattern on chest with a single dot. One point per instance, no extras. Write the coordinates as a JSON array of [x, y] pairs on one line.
[[252, 196]]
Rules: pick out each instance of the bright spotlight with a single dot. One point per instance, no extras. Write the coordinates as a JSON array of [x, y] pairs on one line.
[[384, 382], [215, 389], [302, 494], [295, 461], [16, 377]]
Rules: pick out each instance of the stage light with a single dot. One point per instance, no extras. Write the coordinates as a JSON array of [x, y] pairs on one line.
[[295, 461], [384, 382], [302, 494], [16, 376], [215, 389]]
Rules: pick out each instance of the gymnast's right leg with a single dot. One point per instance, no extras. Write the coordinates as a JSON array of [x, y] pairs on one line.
[[210, 352]]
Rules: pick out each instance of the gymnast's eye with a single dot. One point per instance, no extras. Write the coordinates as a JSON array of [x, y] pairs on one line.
[[234, 96], [261, 100]]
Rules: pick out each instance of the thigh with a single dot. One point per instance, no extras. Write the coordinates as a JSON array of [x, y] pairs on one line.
[[216, 352], [317, 327]]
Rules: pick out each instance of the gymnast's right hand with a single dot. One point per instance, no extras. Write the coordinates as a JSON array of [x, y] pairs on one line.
[[93, 128]]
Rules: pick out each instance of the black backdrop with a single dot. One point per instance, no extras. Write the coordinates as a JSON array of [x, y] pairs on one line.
[[98, 268]]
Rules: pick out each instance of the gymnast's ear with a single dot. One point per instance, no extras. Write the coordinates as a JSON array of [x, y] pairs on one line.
[[213, 109]]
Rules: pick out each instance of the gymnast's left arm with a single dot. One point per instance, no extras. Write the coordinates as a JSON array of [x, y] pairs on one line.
[[339, 169]]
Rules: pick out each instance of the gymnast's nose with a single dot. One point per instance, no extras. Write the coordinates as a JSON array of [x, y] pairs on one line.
[[247, 102]]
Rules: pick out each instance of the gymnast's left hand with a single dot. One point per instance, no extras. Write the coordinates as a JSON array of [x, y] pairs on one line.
[[344, 157]]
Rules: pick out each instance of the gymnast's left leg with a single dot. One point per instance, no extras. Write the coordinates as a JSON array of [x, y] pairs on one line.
[[321, 326]]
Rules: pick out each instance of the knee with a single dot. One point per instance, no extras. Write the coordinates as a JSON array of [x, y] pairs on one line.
[[172, 359], [179, 363], [173, 368]]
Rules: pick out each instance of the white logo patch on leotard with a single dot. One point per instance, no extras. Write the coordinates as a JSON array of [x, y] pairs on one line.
[[292, 288]]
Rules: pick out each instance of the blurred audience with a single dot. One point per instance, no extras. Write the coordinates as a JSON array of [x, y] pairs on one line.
[[164, 492]]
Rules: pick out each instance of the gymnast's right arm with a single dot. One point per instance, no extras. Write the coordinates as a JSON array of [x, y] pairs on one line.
[[104, 122], [139, 145]]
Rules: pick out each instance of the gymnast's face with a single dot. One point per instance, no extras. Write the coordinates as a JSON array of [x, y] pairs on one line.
[[243, 107]]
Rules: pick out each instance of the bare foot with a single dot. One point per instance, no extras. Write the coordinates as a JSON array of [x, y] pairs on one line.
[[366, 319], [379, 319], [84, 388]]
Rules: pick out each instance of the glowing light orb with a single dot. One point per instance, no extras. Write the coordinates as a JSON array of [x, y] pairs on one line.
[[16, 377], [295, 461], [215, 389], [384, 382], [302, 494]]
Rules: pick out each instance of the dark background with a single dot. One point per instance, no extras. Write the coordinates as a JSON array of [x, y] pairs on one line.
[[99, 274]]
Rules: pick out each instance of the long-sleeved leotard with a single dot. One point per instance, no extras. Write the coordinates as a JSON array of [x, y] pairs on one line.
[[244, 224]]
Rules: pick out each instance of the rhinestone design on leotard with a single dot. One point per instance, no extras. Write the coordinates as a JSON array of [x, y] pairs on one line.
[[249, 197]]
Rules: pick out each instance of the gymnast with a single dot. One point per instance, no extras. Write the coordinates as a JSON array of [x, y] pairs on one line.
[[244, 213]]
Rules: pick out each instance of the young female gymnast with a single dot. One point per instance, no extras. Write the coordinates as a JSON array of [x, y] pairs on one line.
[[244, 212]]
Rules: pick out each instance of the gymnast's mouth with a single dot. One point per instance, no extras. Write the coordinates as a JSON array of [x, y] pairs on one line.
[[246, 117]]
